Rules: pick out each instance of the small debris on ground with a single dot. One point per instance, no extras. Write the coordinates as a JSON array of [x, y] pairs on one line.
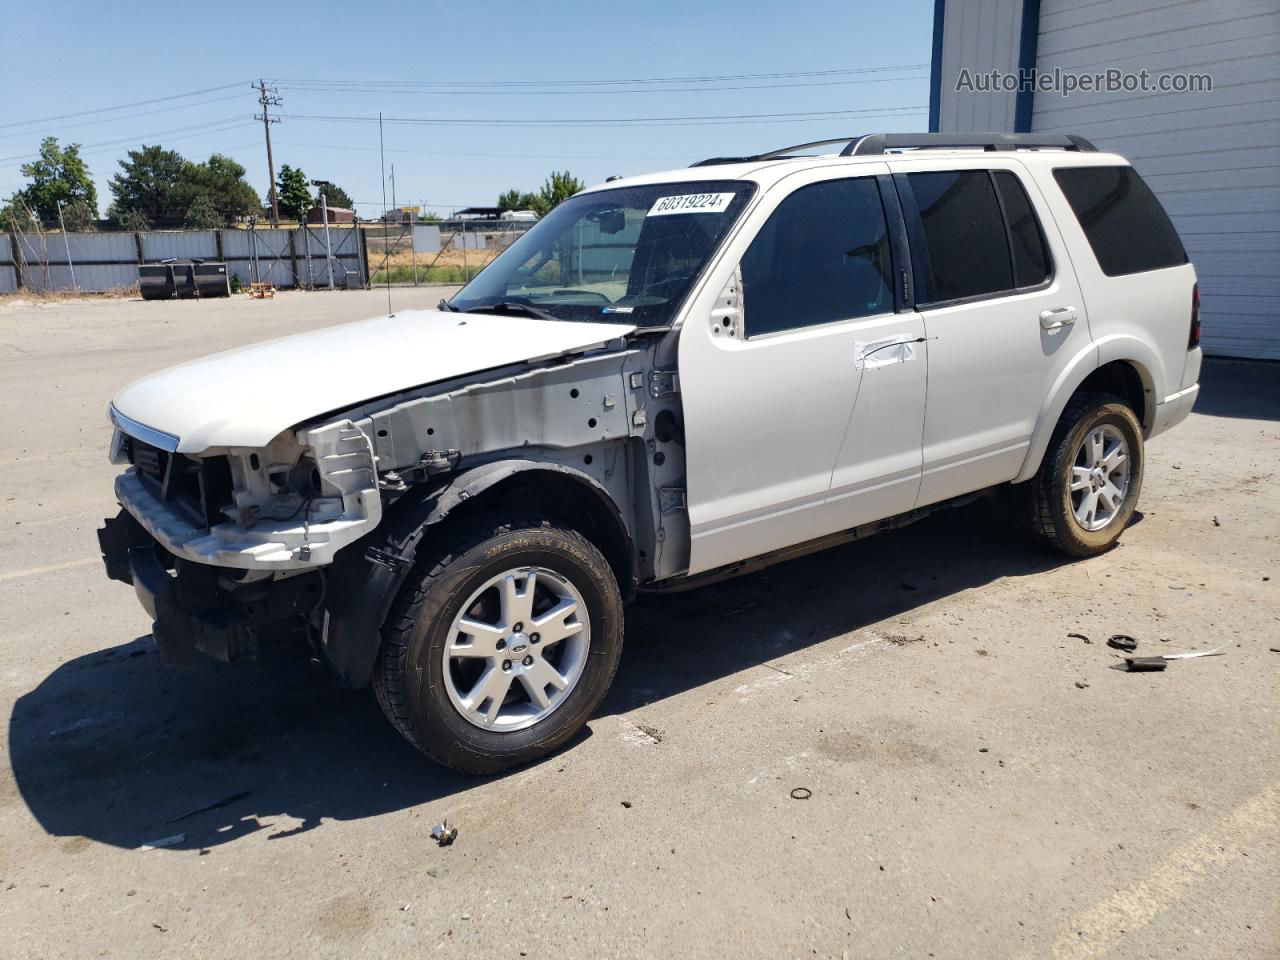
[[1078, 636], [443, 834], [627, 804], [901, 640], [1191, 655], [1081, 685], [164, 842], [652, 731], [216, 805], [1216, 523], [1122, 641], [160, 928], [801, 793], [1141, 664]]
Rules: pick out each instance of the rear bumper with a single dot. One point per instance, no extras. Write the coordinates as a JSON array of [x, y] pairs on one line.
[[1173, 409], [198, 608]]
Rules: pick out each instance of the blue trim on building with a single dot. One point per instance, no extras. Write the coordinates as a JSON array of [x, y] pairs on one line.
[[935, 69], [1027, 50]]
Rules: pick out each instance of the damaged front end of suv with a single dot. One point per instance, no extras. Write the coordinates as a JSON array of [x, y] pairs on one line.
[[450, 504], [223, 547]]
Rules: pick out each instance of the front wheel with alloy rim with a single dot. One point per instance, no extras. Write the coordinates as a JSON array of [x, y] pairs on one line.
[[1087, 487], [502, 642]]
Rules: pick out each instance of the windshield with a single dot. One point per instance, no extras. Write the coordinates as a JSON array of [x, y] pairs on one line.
[[627, 255]]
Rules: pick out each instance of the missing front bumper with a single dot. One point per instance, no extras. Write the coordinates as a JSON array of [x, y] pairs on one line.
[[198, 608]]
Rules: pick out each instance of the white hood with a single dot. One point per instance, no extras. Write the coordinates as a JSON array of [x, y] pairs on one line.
[[245, 397]]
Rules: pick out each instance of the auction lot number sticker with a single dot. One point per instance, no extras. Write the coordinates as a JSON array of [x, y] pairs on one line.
[[691, 203]]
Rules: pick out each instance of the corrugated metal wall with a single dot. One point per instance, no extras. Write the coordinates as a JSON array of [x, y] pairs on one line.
[[107, 261], [8, 273], [1212, 158], [980, 36], [99, 261]]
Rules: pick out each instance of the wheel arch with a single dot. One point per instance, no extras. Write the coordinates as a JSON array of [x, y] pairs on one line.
[[1129, 375], [365, 578]]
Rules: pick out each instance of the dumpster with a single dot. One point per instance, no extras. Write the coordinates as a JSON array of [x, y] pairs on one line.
[[183, 279]]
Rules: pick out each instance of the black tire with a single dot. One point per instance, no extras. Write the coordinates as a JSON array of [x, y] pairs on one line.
[[460, 556], [1048, 505]]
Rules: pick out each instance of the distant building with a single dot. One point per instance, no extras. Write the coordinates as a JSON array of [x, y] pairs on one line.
[[478, 213], [336, 215]]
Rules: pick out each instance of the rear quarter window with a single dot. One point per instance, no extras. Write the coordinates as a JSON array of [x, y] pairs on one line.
[[1122, 219]]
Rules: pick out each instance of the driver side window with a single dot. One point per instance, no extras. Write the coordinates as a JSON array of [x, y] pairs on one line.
[[822, 256]]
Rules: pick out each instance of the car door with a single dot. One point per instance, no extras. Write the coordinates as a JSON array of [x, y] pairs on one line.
[[1002, 310], [770, 369]]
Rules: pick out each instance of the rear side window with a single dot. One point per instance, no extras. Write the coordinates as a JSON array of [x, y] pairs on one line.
[[1030, 263], [1126, 226], [963, 232], [822, 256]]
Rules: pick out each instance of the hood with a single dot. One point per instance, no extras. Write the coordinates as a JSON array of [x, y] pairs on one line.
[[245, 397]]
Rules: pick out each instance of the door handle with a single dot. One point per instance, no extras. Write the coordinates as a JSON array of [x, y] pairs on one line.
[[1057, 318]]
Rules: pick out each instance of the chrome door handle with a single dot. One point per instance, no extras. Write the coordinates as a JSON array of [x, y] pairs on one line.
[[1059, 317]]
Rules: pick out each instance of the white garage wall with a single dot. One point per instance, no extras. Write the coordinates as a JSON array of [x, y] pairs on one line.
[[1213, 159], [980, 37]]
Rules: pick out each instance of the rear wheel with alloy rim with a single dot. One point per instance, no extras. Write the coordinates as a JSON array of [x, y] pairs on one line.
[[501, 644], [1086, 490]]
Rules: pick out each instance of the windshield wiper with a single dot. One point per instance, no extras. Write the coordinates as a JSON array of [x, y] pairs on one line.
[[514, 306], [446, 305]]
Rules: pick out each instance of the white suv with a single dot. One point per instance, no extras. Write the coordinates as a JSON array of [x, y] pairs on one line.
[[670, 379]]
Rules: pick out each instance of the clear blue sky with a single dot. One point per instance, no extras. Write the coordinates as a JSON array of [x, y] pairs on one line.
[[456, 61]]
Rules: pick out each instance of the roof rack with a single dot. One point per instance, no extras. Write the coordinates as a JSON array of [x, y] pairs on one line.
[[875, 144]]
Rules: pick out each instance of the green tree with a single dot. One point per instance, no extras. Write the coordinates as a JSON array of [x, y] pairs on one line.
[[131, 219], [202, 214], [151, 188], [515, 200], [221, 179], [558, 188], [293, 192], [59, 175], [335, 196]]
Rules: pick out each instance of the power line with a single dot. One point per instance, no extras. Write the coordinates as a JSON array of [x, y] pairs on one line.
[[466, 154], [848, 71], [210, 126], [131, 116], [122, 106], [320, 87], [618, 121]]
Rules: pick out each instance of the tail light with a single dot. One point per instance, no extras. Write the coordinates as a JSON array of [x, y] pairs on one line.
[[1195, 318]]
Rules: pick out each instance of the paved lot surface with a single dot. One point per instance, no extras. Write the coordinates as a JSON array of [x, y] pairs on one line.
[[983, 785]]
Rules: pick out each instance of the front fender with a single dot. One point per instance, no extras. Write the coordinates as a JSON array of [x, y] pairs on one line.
[[364, 579]]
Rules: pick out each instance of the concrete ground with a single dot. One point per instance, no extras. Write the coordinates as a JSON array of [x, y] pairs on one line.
[[982, 784]]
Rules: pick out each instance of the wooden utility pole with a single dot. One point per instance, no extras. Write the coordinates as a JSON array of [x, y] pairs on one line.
[[268, 97]]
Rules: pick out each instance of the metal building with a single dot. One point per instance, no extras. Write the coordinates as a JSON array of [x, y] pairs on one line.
[[1212, 156]]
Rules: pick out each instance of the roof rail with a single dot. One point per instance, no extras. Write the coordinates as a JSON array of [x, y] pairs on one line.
[[878, 143], [874, 144]]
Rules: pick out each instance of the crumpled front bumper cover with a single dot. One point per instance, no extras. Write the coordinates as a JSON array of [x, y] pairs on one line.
[[295, 544]]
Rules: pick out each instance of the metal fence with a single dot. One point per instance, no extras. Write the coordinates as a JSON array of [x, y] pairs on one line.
[[308, 257]]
